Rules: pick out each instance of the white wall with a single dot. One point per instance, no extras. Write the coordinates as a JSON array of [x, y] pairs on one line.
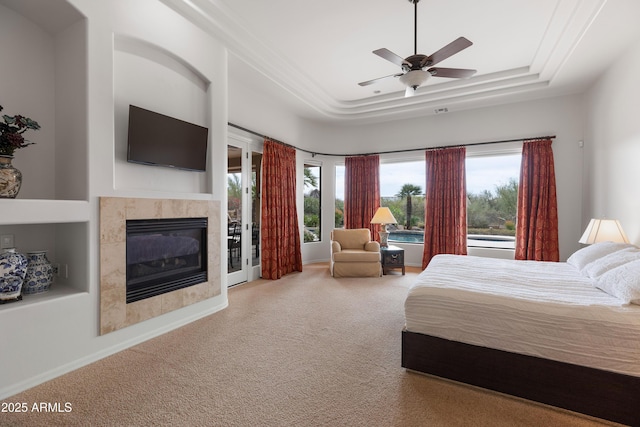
[[60, 333], [143, 52], [149, 77], [612, 143], [251, 106], [562, 116]]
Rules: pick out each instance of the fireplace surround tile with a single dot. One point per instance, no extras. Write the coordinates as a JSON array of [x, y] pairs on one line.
[[115, 313], [172, 301], [143, 310], [112, 220], [146, 209], [196, 293]]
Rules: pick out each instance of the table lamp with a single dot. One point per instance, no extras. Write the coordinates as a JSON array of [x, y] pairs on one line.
[[603, 230], [384, 217]]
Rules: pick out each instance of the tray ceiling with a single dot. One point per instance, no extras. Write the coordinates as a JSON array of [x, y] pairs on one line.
[[312, 54]]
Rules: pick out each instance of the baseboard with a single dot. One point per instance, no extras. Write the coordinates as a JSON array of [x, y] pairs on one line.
[[316, 261]]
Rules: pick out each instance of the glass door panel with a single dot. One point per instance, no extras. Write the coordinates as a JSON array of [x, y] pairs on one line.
[[256, 185], [236, 224]]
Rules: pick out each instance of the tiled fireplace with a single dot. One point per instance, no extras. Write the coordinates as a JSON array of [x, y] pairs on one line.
[[115, 213]]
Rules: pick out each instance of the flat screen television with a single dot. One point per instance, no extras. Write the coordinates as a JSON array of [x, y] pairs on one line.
[[159, 140]]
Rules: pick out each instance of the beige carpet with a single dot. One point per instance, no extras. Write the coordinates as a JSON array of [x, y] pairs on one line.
[[306, 350]]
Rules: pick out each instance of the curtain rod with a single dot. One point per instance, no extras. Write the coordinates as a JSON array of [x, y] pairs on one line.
[[394, 151]]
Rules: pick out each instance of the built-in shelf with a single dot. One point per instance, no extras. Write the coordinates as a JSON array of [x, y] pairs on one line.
[[56, 292], [52, 211], [32, 211]]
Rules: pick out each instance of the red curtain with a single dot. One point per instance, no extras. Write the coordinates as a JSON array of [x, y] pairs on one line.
[[537, 222], [361, 192], [281, 253], [445, 230]]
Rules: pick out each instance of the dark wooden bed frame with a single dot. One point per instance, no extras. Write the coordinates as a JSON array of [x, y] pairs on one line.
[[598, 393]]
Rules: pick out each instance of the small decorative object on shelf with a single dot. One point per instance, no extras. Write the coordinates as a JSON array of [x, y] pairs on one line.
[[13, 269], [10, 178], [39, 273], [11, 139]]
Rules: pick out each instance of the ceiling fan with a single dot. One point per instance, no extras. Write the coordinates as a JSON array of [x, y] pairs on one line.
[[415, 71]]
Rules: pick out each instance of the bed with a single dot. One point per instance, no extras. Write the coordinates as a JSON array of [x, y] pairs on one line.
[[537, 330]]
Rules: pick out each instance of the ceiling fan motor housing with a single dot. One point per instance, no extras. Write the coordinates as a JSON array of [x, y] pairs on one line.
[[416, 62]]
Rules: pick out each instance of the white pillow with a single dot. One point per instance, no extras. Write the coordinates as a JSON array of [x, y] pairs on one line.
[[584, 256], [622, 282], [600, 266]]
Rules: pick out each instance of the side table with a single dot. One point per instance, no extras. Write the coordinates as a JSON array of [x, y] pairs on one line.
[[392, 257]]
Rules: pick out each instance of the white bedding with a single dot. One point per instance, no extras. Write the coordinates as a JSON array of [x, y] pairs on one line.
[[543, 309]]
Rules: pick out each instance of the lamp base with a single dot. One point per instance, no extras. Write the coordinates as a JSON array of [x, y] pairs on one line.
[[384, 238]]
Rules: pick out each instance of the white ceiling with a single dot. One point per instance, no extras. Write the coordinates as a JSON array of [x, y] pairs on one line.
[[312, 54]]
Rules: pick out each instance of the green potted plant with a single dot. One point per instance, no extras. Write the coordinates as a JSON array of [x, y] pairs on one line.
[[12, 129]]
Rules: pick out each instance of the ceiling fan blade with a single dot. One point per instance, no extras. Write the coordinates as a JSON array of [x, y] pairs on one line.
[[449, 50], [455, 73], [390, 56], [369, 82]]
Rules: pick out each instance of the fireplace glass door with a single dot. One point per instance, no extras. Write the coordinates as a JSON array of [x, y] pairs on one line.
[[165, 255]]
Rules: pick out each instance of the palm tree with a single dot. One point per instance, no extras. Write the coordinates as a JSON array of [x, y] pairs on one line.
[[310, 179], [407, 191]]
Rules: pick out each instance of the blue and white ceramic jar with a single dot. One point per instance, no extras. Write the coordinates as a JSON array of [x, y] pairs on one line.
[[39, 273], [13, 268]]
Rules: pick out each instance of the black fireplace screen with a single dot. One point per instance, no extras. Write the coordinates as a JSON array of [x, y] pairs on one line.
[[164, 255]]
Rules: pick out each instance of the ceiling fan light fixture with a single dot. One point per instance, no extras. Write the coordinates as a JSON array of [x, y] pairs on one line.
[[415, 78], [409, 91]]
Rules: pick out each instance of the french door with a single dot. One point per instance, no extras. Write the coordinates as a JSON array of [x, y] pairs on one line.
[[244, 163]]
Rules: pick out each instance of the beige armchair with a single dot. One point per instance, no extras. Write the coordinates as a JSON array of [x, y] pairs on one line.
[[354, 254]]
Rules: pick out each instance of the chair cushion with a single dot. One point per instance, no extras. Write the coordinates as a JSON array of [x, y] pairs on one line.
[[354, 255], [351, 238]]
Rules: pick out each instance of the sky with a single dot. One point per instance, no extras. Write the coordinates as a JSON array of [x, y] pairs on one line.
[[483, 173]]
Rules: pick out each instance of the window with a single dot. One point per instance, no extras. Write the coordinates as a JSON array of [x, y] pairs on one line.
[[397, 181], [339, 204], [492, 196], [312, 203], [492, 191], [402, 186]]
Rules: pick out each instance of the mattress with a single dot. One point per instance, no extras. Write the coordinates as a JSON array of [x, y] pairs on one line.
[[543, 309]]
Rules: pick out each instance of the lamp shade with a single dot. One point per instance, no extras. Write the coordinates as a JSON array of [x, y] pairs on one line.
[[603, 230], [383, 216]]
